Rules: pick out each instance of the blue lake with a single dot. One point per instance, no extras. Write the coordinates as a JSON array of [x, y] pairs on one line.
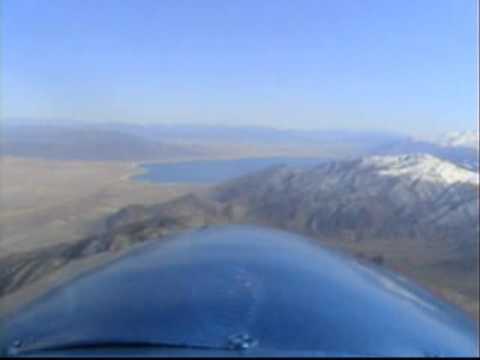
[[215, 171]]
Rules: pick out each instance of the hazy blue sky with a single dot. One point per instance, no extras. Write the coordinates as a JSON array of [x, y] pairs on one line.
[[390, 64]]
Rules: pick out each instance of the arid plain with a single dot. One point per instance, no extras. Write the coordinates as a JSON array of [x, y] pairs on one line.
[[49, 201], [45, 202]]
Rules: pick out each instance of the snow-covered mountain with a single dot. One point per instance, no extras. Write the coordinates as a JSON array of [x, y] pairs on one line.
[[423, 167], [460, 148], [466, 139], [404, 196]]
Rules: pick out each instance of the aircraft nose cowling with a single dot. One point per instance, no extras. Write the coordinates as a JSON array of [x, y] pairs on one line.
[[247, 287]]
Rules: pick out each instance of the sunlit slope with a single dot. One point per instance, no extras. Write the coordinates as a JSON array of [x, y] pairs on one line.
[[412, 196]]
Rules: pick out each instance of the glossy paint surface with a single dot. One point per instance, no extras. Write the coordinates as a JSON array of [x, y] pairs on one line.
[[281, 292]]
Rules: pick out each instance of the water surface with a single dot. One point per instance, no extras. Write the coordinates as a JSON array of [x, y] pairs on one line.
[[215, 171]]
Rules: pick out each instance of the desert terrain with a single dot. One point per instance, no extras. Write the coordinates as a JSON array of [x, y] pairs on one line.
[[46, 201]]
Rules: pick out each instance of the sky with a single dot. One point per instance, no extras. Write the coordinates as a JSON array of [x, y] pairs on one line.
[[396, 65]]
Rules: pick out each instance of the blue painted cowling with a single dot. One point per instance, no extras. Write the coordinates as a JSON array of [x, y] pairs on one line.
[[238, 287]]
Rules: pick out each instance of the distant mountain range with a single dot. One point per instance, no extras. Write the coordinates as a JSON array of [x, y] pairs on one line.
[[116, 141], [130, 142], [260, 135], [429, 202], [77, 143]]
